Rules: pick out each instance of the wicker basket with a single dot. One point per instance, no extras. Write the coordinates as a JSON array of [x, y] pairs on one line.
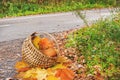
[[33, 56]]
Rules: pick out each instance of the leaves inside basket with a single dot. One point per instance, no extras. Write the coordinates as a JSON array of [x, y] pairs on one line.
[[45, 45]]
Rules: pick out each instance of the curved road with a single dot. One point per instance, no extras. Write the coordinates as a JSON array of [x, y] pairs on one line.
[[20, 27]]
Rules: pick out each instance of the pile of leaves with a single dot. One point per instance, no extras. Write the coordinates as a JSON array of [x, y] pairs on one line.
[[59, 71], [99, 45]]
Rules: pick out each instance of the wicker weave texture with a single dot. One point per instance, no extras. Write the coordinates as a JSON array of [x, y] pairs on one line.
[[34, 57]]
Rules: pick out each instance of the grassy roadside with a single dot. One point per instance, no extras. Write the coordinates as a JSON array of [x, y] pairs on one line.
[[100, 46], [10, 9]]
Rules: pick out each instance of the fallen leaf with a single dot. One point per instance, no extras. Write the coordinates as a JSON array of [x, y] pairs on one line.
[[21, 64], [23, 69], [59, 66], [52, 77], [36, 41], [65, 74], [62, 59], [30, 73], [58, 73], [41, 74]]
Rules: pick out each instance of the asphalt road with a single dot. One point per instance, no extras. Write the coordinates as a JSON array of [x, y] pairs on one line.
[[21, 27]]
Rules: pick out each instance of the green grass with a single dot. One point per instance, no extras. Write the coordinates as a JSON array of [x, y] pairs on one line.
[[100, 44], [10, 9]]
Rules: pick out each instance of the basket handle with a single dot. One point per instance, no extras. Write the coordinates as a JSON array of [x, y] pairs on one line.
[[33, 34]]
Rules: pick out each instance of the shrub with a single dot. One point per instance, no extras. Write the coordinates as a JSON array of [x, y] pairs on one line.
[[15, 7]]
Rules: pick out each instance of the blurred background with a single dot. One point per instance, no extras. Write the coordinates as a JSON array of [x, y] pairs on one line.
[[10, 8]]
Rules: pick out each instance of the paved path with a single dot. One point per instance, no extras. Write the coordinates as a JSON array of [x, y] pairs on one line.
[[20, 27]]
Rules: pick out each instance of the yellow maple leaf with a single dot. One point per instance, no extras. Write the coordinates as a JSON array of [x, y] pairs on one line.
[[36, 41], [52, 77], [30, 73], [50, 71], [21, 64], [41, 73]]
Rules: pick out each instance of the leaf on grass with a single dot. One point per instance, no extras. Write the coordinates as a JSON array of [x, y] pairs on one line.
[[98, 76]]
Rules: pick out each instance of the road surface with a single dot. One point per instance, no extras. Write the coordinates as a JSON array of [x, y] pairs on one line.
[[21, 27]]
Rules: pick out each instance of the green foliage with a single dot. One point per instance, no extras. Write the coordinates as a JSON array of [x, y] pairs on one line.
[[100, 45], [31, 7]]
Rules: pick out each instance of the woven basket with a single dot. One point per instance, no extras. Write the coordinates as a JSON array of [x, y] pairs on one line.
[[32, 56]]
